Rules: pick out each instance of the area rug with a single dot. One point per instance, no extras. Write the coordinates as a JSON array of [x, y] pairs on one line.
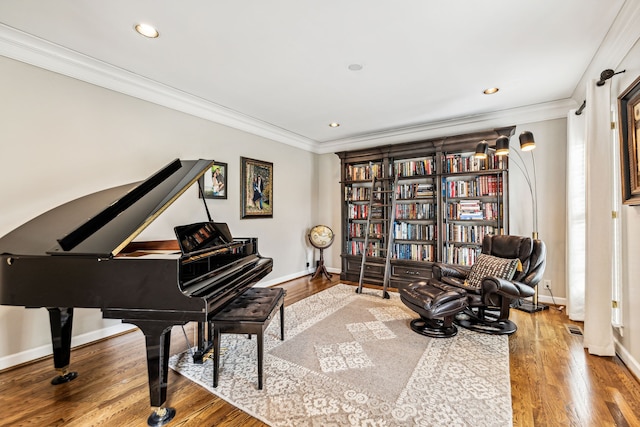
[[351, 359]]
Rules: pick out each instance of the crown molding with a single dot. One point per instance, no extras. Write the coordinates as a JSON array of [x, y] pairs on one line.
[[461, 125], [623, 34], [32, 50]]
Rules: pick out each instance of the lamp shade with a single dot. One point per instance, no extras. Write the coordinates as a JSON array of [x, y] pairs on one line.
[[527, 143], [502, 146], [481, 150]]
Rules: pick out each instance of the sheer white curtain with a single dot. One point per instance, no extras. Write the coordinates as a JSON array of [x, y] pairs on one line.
[[598, 334], [576, 130]]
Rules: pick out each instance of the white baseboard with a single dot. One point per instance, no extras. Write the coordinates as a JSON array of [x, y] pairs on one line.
[[282, 279], [46, 350], [631, 363], [548, 300]]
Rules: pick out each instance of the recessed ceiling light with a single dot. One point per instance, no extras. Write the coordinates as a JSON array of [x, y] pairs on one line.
[[490, 91], [147, 30], [355, 67], [334, 125]]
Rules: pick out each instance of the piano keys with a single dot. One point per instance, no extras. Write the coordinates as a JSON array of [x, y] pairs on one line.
[[61, 260]]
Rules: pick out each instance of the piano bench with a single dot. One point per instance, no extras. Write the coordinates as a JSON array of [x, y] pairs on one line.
[[250, 313]]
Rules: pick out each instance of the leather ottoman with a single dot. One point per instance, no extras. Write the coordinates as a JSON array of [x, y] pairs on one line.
[[436, 303]]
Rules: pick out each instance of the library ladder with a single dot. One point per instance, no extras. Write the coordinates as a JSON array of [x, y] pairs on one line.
[[383, 196]]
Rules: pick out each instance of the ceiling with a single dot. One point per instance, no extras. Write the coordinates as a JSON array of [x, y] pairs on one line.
[[280, 68]]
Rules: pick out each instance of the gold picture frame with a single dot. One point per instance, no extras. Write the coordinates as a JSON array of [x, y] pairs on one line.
[[256, 186], [629, 124]]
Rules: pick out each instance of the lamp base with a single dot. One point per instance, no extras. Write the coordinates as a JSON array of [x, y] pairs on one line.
[[529, 307]]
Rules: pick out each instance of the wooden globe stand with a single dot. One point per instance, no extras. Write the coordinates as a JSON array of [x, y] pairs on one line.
[[321, 270]]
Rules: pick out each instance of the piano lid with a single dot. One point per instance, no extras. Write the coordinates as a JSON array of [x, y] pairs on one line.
[[116, 216]]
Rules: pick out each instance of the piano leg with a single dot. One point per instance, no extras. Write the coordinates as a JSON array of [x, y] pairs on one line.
[[158, 339], [61, 321]]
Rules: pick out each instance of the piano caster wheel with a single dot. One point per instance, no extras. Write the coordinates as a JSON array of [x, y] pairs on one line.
[[65, 378], [385, 295], [161, 416]]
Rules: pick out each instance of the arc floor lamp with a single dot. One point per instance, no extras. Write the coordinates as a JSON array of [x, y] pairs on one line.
[[527, 144]]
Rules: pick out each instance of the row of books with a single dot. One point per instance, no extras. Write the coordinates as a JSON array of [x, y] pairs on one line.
[[467, 233], [359, 194], [415, 211], [473, 210], [418, 167], [408, 231], [461, 255], [466, 209], [414, 252], [363, 172], [486, 185], [358, 230], [362, 211], [356, 248], [468, 163], [414, 190]]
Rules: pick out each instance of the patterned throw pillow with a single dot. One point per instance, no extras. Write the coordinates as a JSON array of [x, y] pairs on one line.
[[491, 266]]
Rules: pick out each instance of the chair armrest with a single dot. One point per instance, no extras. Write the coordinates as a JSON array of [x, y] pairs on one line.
[[449, 281], [506, 288], [441, 270]]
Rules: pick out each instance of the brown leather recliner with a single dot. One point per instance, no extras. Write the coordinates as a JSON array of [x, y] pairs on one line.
[[489, 304]]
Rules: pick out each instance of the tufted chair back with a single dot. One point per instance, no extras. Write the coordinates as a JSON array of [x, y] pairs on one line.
[[532, 255]]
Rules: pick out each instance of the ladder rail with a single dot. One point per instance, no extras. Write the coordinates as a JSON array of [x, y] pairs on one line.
[[390, 241], [363, 261], [386, 195]]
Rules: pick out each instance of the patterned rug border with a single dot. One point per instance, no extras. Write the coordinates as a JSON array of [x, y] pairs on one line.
[[209, 388], [346, 404]]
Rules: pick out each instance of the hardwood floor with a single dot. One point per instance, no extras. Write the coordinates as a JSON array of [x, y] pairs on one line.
[[554, 382]]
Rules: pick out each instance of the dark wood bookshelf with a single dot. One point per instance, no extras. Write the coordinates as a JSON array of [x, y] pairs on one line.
[[431, 164]]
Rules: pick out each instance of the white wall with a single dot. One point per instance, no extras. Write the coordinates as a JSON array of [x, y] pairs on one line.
[[550, 160], [61, 139], [329, 209]]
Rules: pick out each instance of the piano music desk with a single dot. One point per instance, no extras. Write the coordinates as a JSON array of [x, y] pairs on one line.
[[250, 313]]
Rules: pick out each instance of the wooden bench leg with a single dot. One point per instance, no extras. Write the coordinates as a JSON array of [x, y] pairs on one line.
[[282, 322], [260, 356]]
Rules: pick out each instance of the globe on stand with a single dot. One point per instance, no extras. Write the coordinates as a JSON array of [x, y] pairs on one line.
[[321, 237]]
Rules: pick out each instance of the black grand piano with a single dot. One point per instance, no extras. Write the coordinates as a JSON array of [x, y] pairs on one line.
[[82, 254]]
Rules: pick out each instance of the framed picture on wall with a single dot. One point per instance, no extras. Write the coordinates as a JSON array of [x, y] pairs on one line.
[[629, 112], [256, 187], [214, 182]]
